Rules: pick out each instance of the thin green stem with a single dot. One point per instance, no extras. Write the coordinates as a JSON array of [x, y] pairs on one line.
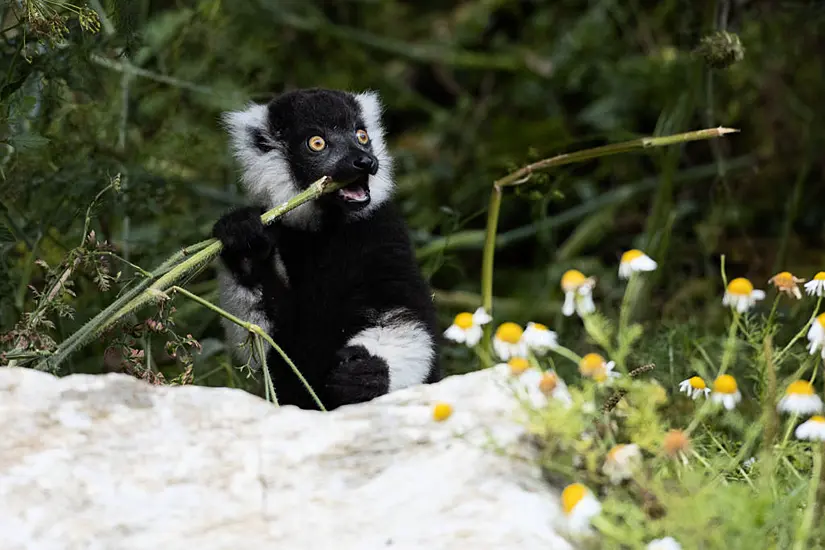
[[256, 331], [520, 176], [568, 354], [730, 344], [804, 530], [487, 260], [801, 332], [270, 387]]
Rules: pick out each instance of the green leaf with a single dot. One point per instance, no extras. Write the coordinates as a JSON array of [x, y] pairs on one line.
[[28, 141]]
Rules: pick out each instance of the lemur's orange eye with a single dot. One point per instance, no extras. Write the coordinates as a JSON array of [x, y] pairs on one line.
[[362, 136], [317, 143]]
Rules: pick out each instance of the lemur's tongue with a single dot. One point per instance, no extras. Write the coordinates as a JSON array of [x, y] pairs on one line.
[[353, 193]]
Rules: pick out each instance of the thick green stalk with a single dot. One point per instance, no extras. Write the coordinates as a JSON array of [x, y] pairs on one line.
[[804, 530], [173, 270]]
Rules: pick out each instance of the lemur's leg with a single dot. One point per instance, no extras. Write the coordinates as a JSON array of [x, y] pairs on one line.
[[395, 352], [247, 262]]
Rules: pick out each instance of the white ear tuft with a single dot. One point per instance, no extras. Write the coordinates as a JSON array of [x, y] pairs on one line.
[[371, 109], [240, 126]]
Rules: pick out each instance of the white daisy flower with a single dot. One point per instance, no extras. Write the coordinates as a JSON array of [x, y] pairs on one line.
[[539, 338], [726, 392], [552, 386], [509, 341], [694, 387], [537, 385], [812, 429], [596, 367], [578, 293], [741, 295], [466, 327], [816, 335], [633, 261], [622, 460], [667, 543], [800, 398], [787, 283], [579, 506], [816, 286]]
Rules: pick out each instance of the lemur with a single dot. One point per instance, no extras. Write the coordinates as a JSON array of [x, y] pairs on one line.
[[335, 281]]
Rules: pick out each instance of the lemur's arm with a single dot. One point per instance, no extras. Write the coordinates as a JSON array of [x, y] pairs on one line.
[[247, 246]]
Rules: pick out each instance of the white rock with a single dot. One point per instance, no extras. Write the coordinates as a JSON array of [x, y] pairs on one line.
[[110, 462]]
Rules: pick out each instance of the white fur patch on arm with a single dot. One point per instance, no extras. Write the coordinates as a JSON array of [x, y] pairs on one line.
[[244, 304], [404, 345]]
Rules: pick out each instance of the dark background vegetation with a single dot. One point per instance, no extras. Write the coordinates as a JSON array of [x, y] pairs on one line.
[[473, 90]]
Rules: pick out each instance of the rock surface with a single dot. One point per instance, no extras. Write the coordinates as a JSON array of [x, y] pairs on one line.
[[110, 462]]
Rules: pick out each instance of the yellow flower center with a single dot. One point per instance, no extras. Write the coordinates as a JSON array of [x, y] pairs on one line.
[[509, 332], [590, 364], [820, 276], [740, 286], [821, 320], [463, 320], [548, 382], [697, 383], [539, 327], [571, 496], [819, 419], [725, 384], [631, 255], [572, 279], [442, 411], [518, 365], [800, 387]]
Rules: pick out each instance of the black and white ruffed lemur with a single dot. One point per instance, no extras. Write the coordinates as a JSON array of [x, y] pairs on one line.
[[335, 281]]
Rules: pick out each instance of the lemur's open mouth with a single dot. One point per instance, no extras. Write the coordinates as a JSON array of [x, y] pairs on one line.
[[356, 192]]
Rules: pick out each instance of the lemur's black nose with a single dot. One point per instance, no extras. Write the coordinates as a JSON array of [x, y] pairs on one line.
[[366, 163]]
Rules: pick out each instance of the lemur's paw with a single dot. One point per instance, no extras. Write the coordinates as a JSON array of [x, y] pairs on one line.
[[358, 377], [243, 233]]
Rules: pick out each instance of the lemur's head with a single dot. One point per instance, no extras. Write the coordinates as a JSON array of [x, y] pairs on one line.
[[300, 136]]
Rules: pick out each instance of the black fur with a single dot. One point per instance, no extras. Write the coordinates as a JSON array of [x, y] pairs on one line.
[[343, 274]]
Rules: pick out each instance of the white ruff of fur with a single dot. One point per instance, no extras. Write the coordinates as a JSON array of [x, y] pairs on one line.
[[405, 346], [267, 177], [243, 304], [381, 184]]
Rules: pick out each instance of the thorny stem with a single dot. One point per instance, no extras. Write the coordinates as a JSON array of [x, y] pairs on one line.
[[523, 174], [257, 332], [168, 273]]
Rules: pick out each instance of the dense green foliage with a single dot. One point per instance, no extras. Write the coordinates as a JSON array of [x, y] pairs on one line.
[[473, 90]]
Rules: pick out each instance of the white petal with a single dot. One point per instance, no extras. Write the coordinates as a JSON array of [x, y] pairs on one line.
[[643, 263], [481, 317], [568, 308], [758, 294], [474, 335], [455, 333]]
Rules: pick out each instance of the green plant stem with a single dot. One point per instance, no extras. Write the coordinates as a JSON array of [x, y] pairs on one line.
[[802, 331], [256, 331], [169, 272], [568, 354], [730, 344], [523, 174], [487, 260], [804, 530]]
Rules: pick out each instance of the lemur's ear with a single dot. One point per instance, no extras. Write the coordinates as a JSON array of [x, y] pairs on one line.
[[249, 129]]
